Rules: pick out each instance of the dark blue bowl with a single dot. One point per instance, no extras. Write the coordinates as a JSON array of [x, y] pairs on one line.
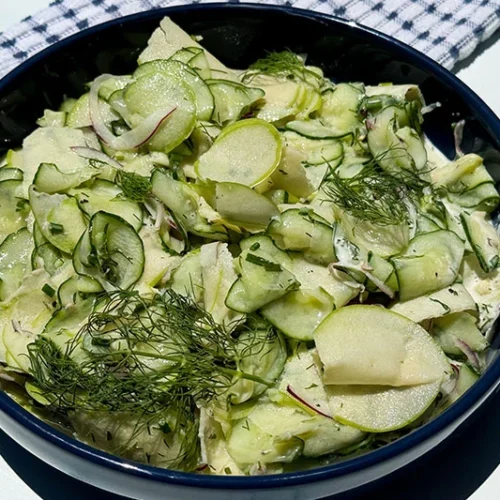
[[239, 34]]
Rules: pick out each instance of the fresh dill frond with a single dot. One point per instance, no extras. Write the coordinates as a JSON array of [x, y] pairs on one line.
[[138, 356], [374, 195], [135, 187]]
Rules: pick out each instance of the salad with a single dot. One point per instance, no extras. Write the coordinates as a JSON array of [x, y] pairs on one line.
[[242, 271]]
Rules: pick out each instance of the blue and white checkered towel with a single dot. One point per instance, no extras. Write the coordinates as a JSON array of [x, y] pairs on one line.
[[446, 30]]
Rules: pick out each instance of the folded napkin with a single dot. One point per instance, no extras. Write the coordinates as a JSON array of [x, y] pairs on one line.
[[446, 30]]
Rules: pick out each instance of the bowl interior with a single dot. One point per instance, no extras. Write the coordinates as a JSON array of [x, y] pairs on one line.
[[238, 35]]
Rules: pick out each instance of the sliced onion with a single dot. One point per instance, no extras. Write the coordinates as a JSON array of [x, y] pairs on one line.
[[95, 154], [469, 354], [305, 403], [133, 138]]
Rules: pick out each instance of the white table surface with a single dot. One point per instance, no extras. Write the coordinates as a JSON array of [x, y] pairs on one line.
[[481, 73]]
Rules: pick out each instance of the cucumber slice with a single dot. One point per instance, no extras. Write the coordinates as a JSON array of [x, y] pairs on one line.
[[312, 129], [339, 109], [79, 116], [110, 251], [390, 152], [283, 99], [112, 84], [298, 313], [431, 262], [183, 55], [304, 231], [246, 152], [452, 299], [158, 264], [77, 288], [232, 100], [262, 280], [291, 175], [483, 239], [318, 151], [59, 219], [460, 326], [466, 379], [263, 354], [52, 119], [50, 179], [483, 198], [15, 254], [452, 172], [156, 91], [108, 197], [10, 174], [12, 209], [203, 95], [45, 255], [241, 205], [395, 351], [184, 202], [380, 409], [199, 63], [187, 279]]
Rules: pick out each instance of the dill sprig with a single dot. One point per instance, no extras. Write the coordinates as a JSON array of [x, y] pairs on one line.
[[139, 356], [135, 187], [374, 195]]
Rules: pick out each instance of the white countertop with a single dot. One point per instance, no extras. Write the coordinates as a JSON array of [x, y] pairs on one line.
[[481, 74]]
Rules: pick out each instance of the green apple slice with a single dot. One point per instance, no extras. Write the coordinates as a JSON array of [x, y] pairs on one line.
[[369, 345], [246, 152], [380, 408]]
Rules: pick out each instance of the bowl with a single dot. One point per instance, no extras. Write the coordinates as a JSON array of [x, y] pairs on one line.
[[239, 34]]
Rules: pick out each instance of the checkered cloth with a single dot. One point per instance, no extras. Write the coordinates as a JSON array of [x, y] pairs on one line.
[[446, 30]]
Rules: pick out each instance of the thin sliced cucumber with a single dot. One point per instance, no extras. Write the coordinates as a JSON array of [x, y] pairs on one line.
[[312, 129], [10, 174], [291, 175], [155, 91], [483, 239], [76, 289], [45, 255], [50, 179], [15, 252], [183, 201], [452, 299], [302, 230], [398, 352], [243, 206], [110, 251], [262, 280], [431, 262], [461, 327], [79, 116], [298, 313], [246, 152], [13, 209], [106, 196], [59, 219], [340, 108], [203, 94], [318, 151], [232, 100]]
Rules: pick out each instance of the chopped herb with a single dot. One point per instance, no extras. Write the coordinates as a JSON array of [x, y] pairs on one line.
[[255, 246], [227, 470], [442, 304], [56, 228], [48, 290], [246, 425], [165, 428], [109, 436], [266, 264]]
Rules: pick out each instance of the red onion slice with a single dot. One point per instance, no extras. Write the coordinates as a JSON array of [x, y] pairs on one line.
[[458, 134], [469, 354], [95, 154], [305, 403], [131, 139]]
